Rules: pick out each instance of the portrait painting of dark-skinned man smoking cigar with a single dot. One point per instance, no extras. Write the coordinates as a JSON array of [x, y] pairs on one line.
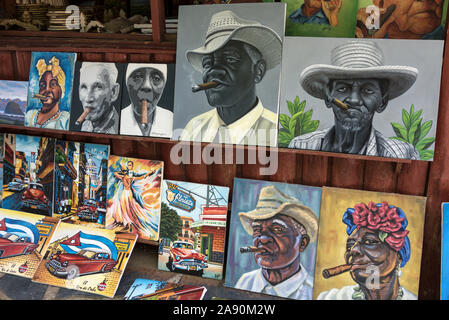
[[97, 94], [274, 227], [228, 73], [361, 96], [50, 90], [147, 100], [369, 245]]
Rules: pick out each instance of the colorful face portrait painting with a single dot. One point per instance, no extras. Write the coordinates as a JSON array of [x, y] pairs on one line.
[[401, 19], [97, 93], [145, 289], [444, 251], [86, 259], [134, 196], [228, 73], [272, 245], [369, 246], [81, 179], [24, 238], [147, 101], [28, 171], [50, 90], [193, 228], [317, 18], [381, 100], [13, 102]]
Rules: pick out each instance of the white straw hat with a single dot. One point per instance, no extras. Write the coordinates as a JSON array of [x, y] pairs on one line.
[[357, 59], [272, 202], [225, 26]]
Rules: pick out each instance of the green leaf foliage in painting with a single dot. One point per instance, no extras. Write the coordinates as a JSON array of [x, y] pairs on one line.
[[299, 122], [414, 131]]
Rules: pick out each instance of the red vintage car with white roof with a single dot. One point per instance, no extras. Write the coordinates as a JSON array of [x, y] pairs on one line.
[[14, 245], [183, 256]]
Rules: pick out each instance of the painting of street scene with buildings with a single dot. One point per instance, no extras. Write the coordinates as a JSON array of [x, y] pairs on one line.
[[193, 228], [28, 171], [81, 177]]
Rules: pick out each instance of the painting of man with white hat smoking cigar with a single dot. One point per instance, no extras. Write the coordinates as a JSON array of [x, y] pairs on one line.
[[370, 97], [148, 89], [227, 70], [272, 250]]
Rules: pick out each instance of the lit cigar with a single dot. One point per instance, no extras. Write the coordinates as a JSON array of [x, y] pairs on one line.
[[144, 112], [39, 96], [204, 86], [251, 249], [335, 271], [340, 104], [83, 116]]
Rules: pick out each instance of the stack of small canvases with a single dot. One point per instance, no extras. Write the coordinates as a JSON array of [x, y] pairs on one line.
[[238, 81]]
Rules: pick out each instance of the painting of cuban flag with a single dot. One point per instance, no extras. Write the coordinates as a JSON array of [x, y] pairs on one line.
[[86, 259], [23, 239]]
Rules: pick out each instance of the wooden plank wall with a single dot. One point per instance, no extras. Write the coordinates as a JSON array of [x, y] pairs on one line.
[[420, 178]]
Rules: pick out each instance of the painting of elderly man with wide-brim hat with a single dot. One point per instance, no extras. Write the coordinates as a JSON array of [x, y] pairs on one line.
[[355, 86], [233, 60], [282, 228]]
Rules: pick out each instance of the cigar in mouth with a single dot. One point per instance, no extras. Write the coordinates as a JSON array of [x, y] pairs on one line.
[[251, 249], [144, 112], [204, 86], [39, 96], [83, 116], [335, 271], [340, 104]]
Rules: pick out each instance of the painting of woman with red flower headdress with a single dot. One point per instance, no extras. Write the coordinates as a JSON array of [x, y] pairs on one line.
[[378, 241]]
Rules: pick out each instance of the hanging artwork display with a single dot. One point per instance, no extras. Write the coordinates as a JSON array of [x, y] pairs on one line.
[[28, 173], [193, 228], [369, 245], [50, 89], [147, 101], [24, 239], [13, 102], [81, 178], [316, 18], [367, 97], [96, 101], [272, 247], [86, 259], [134, 196], [228, 73]]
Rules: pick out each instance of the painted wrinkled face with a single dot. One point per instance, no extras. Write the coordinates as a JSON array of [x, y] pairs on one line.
[[232, 68], [362, 96], [145, 84], [279, 239], [49, 87], [368, 254], [95, 92]]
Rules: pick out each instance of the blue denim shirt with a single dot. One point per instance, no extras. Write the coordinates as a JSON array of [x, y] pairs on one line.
[[318, 18]]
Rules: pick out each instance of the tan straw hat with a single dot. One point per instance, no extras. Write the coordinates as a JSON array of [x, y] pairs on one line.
[[225, 26], [272, 202], [357, 59]]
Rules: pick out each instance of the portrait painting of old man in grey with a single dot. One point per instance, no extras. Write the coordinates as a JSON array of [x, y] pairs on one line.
[[366, 97], [97, 97], [228, 68]]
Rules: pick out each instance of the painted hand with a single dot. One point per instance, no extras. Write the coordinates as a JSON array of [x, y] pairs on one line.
[[331, 9]]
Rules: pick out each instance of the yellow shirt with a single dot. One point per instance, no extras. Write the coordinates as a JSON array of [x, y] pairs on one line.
[[257, 127]]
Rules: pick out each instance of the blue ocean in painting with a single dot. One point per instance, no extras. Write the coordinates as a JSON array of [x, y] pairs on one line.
[[445, 251], [245, 197]]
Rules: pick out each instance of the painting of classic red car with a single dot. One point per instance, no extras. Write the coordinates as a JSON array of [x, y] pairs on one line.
[[71, 266], [14, 245], [184, 257], [34, 197], [88, 211]]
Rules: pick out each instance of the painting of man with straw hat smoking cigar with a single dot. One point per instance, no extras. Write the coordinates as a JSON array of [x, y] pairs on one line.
[[274, 228], [369, 246], [229, 74], [50, 90], [365, 97]]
